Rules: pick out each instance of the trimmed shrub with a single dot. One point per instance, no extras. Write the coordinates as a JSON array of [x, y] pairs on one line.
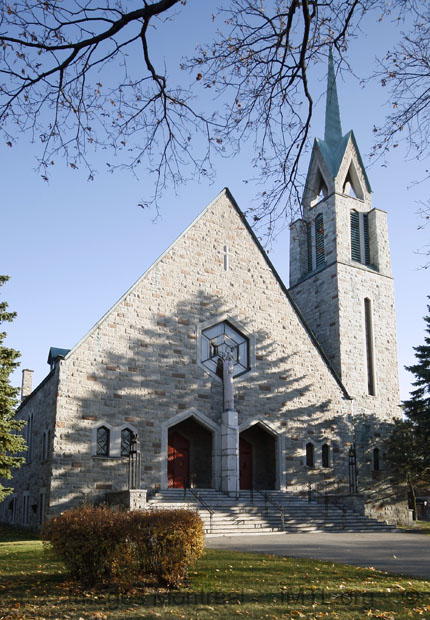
[[99, 545], [167, 543], [88, 540]]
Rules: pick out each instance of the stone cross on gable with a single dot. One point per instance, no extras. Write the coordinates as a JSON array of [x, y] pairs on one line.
[[226, 258]]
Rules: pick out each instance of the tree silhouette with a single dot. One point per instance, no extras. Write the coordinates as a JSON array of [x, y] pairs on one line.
[[79, 77], [11, 442]]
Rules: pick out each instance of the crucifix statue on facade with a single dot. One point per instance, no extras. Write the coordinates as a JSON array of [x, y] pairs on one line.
[[227, 376]]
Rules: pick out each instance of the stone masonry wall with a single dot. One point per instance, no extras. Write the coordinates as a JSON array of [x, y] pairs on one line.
[[139, 366], [332, 302], [34, 476]]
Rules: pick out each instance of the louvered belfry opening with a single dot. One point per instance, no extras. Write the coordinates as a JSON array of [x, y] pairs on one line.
[[366, 252], [355, 236], [309, 246], [319, 240], [360, 237]]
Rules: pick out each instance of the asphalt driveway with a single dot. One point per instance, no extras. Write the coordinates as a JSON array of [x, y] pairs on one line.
[[396, 552]]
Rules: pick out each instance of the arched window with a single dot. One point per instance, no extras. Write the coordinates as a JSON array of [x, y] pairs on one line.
[[325, 455], [376, 460], [126, 437], [370, 351], [103, 436], [309, 454]]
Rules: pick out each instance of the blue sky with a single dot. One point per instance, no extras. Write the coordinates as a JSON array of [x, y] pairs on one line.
[[73, 247]]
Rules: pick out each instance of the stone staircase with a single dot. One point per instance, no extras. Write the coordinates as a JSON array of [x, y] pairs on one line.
[[252, 513]]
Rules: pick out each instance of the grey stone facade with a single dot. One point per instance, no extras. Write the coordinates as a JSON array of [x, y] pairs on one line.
[[302, 394]]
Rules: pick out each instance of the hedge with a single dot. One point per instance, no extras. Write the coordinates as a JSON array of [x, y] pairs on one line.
[[101, 546]]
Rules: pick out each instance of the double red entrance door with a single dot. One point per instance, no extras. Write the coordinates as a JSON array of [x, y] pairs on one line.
[[178, 465]]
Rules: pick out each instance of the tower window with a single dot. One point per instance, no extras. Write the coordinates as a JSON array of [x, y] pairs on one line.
[[102, 441], [309, 454], [319, 240], [315, 243], [352, 186], [368, 325], [319, 189], [309, 245], [360, 238]]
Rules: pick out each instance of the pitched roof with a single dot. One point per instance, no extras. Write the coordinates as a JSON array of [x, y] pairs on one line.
[[55, 352]]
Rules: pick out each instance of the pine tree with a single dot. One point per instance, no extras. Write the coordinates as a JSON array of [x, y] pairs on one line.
[[11, 441], [417, 408], [408, 446]]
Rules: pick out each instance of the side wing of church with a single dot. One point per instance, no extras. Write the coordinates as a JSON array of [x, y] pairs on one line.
[[222, 377]]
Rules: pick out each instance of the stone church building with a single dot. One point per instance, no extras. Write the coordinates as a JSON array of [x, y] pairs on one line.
[[221, 375]]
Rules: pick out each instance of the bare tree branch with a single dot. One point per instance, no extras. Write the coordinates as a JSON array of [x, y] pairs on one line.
[[260, 66], [57, 84]]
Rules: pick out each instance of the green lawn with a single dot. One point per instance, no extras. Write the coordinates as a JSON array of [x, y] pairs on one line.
[[223, 585], [418, 526]]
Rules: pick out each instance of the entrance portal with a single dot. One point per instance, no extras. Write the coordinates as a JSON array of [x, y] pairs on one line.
[[257, 458], [245, 465], [189, 455]]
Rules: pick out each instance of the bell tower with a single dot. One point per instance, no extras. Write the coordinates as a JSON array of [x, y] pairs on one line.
[[340, 271]]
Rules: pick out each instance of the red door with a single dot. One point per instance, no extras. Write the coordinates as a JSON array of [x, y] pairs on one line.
[[245, 464], [178, 465]]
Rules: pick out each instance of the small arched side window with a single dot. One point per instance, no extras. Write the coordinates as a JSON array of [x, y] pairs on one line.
[[376, 460], [325, 455], [103, 436], [126, 437], [309, 454]]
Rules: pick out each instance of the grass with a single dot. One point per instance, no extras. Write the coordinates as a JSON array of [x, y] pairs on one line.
[[224, 584], [422, 527]]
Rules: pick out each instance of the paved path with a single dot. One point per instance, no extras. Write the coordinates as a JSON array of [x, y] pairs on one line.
[[396, 552]]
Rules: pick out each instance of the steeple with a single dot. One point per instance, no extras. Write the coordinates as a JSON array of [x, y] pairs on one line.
[[334, 145], [333, 129]]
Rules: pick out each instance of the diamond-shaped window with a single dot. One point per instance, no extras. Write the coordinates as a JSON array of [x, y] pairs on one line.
[[219, 340]]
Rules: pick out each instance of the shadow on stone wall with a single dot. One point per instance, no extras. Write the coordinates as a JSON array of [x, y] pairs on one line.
[[159, 377]]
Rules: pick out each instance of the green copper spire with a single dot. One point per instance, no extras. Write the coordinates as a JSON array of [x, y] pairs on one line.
[[333, 129], [334, 145]]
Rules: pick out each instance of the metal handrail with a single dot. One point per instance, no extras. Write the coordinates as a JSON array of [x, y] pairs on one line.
[[267, 499], [203, 503], [327, 502]]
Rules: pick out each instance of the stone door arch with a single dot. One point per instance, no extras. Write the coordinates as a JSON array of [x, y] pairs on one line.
[[195, 440], [267, 446]]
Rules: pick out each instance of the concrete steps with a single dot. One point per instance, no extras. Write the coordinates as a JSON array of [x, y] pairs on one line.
[[250, 513]]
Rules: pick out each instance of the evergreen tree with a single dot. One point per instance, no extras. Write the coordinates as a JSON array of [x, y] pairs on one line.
[[417, 408], [11, 441], [408, 446]]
